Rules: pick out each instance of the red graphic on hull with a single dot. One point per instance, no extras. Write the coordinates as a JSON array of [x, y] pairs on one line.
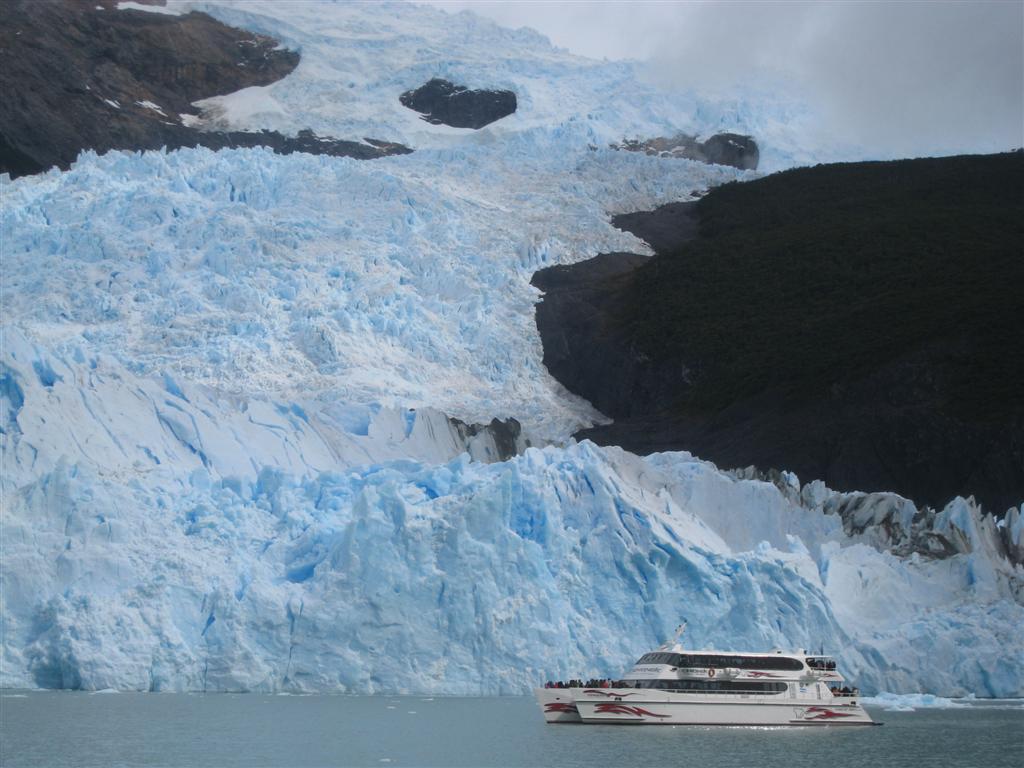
[[823, 713], [559, 707], [622, 709], [609, 695]]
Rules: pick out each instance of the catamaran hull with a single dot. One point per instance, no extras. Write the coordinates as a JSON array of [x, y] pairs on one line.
[[625, 707], [558, 705]]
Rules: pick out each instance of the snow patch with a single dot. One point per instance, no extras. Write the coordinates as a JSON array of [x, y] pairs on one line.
[[154, 107], [170, 9], [255, 105]]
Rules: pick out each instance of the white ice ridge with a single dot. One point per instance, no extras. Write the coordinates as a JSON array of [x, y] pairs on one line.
[[89, 410]]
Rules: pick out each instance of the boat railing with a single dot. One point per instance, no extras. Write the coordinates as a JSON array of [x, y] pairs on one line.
[[845, 692]]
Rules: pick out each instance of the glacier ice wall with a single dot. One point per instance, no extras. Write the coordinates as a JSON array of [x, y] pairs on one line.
[[225, 382], [161, 535], [463, 578]]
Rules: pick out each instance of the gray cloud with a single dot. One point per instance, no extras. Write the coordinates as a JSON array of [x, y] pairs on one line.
[[898, 78]]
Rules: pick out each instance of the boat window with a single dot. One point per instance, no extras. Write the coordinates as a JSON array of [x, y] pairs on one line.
[[660, 658], [723, 661], [710, 686], [825, 664]]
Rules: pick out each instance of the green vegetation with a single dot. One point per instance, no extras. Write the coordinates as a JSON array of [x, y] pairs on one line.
[[805, 278]]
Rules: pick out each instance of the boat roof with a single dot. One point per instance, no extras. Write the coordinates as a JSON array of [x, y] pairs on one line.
[[802, 653]]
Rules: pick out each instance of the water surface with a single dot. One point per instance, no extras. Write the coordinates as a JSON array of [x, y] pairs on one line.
[[127, 729]]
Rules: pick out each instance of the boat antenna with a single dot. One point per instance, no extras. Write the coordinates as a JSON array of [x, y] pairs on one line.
[[679, 631], [675, 638]]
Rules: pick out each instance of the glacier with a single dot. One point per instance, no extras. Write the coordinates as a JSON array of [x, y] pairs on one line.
[[404, 281], [160, 535], [228, 385]]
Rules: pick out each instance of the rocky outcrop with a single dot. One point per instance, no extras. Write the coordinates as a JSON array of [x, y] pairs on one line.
[[499, 440], [441, 102], [890, 523], [305, 141], [816, 321], [578, 327], [84, 75], [732, 149], [666, 229]]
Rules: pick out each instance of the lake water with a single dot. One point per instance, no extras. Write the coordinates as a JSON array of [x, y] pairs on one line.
[[80, 729]]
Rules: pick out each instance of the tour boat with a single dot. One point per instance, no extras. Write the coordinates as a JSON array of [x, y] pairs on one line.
[[674, 686]]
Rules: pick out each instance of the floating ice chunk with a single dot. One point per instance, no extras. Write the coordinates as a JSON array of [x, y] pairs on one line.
[[908, 702]]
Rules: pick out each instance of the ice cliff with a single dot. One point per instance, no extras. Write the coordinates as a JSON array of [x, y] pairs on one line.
[[228, 385]]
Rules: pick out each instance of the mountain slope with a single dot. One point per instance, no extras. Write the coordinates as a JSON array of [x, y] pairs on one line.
[[856, 323], [80, 76]]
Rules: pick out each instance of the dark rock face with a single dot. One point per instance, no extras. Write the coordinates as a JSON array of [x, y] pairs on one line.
[[732, 149], [886, 375], [581, 338], [721, 149], [441, 102], [580, 326], [666, 229], [505, 435], [306, 141], [76, 77], [875, 433]]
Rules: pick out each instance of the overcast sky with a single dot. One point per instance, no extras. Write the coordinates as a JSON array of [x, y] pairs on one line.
[[898, 78]]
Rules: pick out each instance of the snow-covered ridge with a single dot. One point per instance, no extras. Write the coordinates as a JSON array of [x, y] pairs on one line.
[[357, 61]]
